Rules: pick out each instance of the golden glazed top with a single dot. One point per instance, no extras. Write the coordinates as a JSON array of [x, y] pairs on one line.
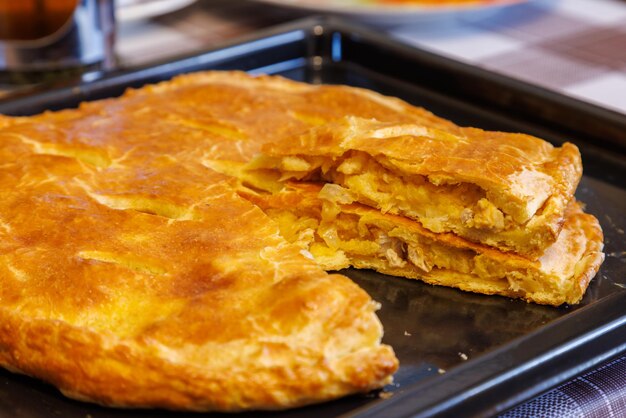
[[133, 275], [518, 167]]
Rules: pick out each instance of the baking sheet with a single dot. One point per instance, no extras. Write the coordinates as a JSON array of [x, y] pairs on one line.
[[459, 352]]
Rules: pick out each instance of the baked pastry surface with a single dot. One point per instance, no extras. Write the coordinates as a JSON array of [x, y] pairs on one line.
[[508, 191], [132, 275], [340, 234]]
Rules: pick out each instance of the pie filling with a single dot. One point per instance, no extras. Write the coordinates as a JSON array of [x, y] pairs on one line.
[[437, 203], [340, 236]]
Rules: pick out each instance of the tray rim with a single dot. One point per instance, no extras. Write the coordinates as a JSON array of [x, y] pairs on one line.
[[608, 325]]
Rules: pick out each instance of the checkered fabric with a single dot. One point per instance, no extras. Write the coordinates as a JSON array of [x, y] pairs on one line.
[[576, 47], [598, 394]]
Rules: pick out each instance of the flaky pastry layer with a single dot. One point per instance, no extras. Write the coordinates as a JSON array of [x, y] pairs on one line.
[[508, 191], [340, 235]]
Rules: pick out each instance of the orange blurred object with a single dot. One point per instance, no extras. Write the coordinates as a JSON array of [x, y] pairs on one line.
[[33, 19]]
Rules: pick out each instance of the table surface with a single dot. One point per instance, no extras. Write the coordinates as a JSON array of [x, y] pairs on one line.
[[574, 47]]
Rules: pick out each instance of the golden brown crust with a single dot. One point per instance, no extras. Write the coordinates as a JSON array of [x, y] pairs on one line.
[[100, 368], [560, 275], [132, 275]]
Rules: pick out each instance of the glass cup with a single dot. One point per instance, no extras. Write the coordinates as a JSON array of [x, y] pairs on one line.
[[40, 39]]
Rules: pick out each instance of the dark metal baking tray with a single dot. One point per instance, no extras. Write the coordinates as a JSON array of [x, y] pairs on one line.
[[514, 350]]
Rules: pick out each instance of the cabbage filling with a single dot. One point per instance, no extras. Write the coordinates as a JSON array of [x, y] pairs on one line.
[[337, 239], [438, 203]]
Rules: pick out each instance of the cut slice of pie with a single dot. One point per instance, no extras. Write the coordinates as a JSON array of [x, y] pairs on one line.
[[340, 234], [508, 191]]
